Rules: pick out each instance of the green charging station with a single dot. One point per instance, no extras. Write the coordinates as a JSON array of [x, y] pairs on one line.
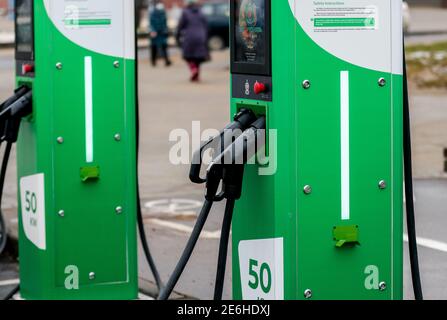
[[325, 220], [76, 153]]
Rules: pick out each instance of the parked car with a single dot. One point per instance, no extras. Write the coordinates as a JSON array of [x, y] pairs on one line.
[[406, 16], [218, 15]]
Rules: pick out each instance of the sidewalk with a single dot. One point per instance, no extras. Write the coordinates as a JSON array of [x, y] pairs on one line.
[[6, 32], [428, 21]]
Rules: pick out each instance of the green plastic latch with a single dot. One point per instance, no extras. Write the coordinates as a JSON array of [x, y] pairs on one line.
[[89, 173], [344, 235]]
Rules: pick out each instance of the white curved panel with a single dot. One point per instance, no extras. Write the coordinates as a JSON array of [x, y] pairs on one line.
[[102, 26], [366, 33]]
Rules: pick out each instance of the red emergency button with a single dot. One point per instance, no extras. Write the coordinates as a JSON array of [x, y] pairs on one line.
[[260, 87], [27, 68]]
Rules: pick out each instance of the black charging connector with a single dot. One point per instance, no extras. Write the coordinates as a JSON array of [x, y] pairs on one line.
[[239, 152], [231, 177], [241, 121]]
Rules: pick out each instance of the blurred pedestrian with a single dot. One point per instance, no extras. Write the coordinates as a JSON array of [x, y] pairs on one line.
[[159, 34], [193, 35]]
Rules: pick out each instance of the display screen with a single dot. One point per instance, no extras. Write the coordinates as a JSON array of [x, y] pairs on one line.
[[24, 26], [250, 31]]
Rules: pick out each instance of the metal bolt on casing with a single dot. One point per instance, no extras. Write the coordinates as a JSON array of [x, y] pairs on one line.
[[307, 189], [119, 210], [308, 294], [60, 140], [116, 64], [382, 82], [117, 137], [382, 286], [59, 66], [91, 275], [382, 184], [306, 84], [61, 213]]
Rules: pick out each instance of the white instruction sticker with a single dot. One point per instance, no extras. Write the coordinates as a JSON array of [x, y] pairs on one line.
[[262, 269], [336, 16], [371, 29], [32, 200], [103, 26]]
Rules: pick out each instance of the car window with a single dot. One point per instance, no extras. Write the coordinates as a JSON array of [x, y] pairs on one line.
[[207, 10], [223, 9]]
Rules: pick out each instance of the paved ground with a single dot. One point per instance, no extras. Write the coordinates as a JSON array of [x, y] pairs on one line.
[[426, 20], [169, 101]]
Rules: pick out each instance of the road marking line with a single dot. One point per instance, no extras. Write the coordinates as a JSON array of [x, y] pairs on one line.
[[184, 229], [142, 296], [88, 108], [429, 243], [344, 138], [10, 282]]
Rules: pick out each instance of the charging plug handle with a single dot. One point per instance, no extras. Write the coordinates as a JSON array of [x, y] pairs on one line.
[[241, 121]]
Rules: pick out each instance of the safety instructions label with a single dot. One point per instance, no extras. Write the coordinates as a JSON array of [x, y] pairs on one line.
[[335, 16], [87, 14]]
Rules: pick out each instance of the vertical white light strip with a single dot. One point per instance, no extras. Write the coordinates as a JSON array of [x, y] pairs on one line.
[[88, 109], [344, 135]]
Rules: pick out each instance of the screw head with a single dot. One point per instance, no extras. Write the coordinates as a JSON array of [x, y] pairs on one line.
[[60, 140], [307, 189], [117, 137], [116, 64], [59, 66], [307, 293], [61, 213], [382, 184], [91, 275], [306, 84], [382, 82], [382, 286], [119, 210]]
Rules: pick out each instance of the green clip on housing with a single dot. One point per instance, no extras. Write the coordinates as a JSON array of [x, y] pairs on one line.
[[346, 235], [89, 173]]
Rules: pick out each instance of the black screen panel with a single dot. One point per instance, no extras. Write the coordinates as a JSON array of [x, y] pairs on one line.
[[24, 30], [250, 36]]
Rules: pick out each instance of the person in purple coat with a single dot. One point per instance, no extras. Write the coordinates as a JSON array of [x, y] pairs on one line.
[[193, 32]]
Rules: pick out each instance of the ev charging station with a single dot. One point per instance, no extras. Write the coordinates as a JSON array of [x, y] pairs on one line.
[[76, 153], [319, 86], [328, 76]]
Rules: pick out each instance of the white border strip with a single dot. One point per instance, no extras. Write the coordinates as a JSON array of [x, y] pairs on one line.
[[429, 243], [344, 138], [11, 282], [88, 74], [184, 229]]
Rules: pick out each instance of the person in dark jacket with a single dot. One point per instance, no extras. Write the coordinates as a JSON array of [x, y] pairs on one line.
[[193, 32], [159, 34]]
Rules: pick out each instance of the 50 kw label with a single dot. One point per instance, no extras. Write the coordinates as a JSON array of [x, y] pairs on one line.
[[32, 200], [262, 269]]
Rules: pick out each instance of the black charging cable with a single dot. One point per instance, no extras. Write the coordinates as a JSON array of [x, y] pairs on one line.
[[186, 255], [3, 232], [11, 114], [213, 179], [240, 152], [140, 221], [409, 192], [7, 109]]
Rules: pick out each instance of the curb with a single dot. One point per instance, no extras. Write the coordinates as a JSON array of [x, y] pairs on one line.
[[425, 33]]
